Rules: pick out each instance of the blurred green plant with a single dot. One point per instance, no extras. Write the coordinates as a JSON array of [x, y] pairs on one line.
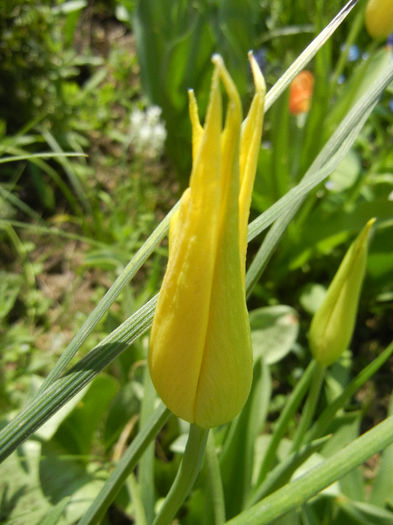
[[78, 441], [175, 41]]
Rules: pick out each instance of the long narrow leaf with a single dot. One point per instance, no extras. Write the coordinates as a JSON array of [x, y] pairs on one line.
[[63, 389], [109, 298], [43, 155], [321, 476], [304, 58]]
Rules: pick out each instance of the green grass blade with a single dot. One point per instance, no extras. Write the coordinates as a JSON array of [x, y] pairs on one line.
[[316, 479], [326, 161], [331, 410], [62, 390], [125, 466], [282, 473], [43, 155], [68, 168], [304, 58], [281, 427], [18, 203], [105, 303], [45, 230]]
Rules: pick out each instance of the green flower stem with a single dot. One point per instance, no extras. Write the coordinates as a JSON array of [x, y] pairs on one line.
[[186, 475], [309, 407], [282, 473], [316, 479], [215, 481], [146, 464], [282, 424], [327, 416], [139, 514]]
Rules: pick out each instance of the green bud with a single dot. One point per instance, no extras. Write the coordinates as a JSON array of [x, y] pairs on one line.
[[333, 324]]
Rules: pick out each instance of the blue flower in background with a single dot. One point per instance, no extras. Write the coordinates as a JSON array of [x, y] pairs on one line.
[[353, 52], [260, 57], [389, 41]]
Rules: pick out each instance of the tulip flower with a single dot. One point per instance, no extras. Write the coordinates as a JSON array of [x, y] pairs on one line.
[[333, 324], [379, 18], [200, 355], [300, 93]]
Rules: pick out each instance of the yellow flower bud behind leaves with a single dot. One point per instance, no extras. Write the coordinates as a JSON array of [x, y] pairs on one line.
[[379, 18], [333, 324], [200, 355]]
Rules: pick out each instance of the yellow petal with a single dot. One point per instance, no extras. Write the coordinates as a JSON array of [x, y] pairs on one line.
[[181, 317], [249, 150], [197, 130], [200, 354], [226, 372]]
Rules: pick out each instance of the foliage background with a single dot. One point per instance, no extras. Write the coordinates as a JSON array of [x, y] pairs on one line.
[[71, 76]]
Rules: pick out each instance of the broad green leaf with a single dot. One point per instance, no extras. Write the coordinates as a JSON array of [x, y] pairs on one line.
[[311, 297], [20, 489], [54, 516], [65, 476], [77, 431], [274, 330], [346, 173]]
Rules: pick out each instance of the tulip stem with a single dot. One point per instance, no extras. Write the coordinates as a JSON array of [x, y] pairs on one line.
[[186, 475], [284, 420], [215, 482], [310, 406]]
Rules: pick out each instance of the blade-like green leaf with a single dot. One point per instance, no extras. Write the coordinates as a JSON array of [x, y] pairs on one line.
[[304, 58], [319, 477], [43, 155], [109, 298], [327, 416], [327, 160]]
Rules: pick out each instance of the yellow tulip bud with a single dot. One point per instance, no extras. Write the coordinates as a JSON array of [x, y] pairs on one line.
[[379, 18], [333, 324], [200, 355]]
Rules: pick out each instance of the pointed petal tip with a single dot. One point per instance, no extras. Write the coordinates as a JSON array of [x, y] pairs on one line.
[[217, 59], [259, 81], [370, 222], [364, 234]]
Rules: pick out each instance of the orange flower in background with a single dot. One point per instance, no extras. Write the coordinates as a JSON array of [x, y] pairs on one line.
[[300, 92]]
